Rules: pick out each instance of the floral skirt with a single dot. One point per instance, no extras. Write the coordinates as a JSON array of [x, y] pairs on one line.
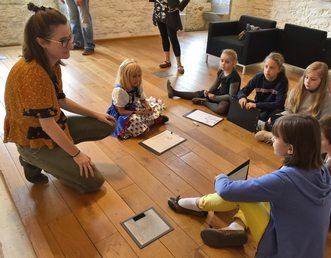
[[128, 126]]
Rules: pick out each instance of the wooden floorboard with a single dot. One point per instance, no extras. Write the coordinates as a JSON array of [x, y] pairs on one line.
[[63, 223]]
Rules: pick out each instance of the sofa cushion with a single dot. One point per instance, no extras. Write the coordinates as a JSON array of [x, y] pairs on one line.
[[230, 41], [256, 21]]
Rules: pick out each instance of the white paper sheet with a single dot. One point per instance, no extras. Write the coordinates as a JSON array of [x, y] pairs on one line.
[[204, 117], [163, 142]]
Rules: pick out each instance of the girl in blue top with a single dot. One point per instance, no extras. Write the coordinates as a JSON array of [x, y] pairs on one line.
[[271, 88], [288, 210]]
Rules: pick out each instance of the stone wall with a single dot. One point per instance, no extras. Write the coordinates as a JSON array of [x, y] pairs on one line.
[[312, 13], [127, 18], [111, 18], [14, 14], [194, 15]]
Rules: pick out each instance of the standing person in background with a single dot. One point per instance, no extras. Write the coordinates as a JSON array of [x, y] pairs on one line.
[[166, 17], [81, 25], [34, 98]]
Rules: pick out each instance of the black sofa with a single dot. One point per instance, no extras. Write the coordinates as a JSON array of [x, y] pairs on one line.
[[302, 46], [252, 49]]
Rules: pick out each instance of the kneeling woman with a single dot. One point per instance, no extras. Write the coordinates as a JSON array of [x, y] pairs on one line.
[[44, 136]]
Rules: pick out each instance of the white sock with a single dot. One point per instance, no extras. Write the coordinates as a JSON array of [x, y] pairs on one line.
[[234, 226], [189, 203]]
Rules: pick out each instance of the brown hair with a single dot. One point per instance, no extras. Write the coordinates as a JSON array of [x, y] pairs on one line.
[[299, 92], [127, 68], [278, 59], [325, 124], [41, 24], [303, 133], [231, 53]]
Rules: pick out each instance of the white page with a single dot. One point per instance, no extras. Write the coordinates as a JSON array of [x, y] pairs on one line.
[[204, 117], [163, 141]]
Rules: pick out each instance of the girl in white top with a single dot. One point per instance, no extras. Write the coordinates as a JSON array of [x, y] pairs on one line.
[[134, 114]]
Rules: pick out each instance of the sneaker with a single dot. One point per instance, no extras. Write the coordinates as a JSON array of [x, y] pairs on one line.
[[170, 90], [260, 125], [161, 120], [264, 136], [88, 52], [32, 173], [76, 47], [223, 238], [180, 69], [165, 64], [199, 101], [173, 204]]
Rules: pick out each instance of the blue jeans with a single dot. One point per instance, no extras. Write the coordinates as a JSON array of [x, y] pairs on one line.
[[81, 24]]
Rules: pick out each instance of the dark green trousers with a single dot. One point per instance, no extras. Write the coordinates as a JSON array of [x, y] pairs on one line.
[[60, 164]]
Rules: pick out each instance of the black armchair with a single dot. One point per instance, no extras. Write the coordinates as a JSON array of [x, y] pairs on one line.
[[252, 49], [302, 46], [327, 58]]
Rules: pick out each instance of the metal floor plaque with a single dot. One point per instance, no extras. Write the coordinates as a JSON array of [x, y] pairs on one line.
[[163, 74], [146, 227]]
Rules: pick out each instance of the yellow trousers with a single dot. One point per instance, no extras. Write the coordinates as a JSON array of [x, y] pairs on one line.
[[255, 215]]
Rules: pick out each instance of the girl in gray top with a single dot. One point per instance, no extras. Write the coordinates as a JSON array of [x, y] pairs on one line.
[[226, 85]]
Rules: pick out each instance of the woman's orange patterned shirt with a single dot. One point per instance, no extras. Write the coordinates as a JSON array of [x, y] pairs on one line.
[[31, 94]]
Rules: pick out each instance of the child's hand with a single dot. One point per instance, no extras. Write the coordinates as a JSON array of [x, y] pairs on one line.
[[173, 10], [250, 105], [205, 93], [221, 174], [211, 96], [143, 111], [148, 109], [242, 102]]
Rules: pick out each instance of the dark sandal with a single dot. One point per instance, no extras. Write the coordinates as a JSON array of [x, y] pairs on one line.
[[173, 204], [180, 69], [165, 64], [223, 238]]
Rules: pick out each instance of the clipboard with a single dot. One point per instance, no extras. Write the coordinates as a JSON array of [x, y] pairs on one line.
[[162, 142], [203, 117], [240, 172]]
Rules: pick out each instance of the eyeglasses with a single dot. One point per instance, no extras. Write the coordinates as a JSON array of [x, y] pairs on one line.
[[64, 42]]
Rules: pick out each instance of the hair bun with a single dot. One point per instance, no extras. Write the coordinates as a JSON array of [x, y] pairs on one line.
[[34, 8]]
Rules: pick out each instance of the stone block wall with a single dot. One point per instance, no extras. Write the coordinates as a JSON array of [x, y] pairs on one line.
[[127, 18], [194, 15], [14, 14], [311, 13]]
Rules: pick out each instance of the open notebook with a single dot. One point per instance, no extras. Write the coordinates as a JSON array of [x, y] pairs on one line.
[[240, 172]]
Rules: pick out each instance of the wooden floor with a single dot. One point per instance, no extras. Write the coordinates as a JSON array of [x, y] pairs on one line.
[[63, 223]]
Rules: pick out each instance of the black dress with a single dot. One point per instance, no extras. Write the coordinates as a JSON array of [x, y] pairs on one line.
[[162, 12]]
